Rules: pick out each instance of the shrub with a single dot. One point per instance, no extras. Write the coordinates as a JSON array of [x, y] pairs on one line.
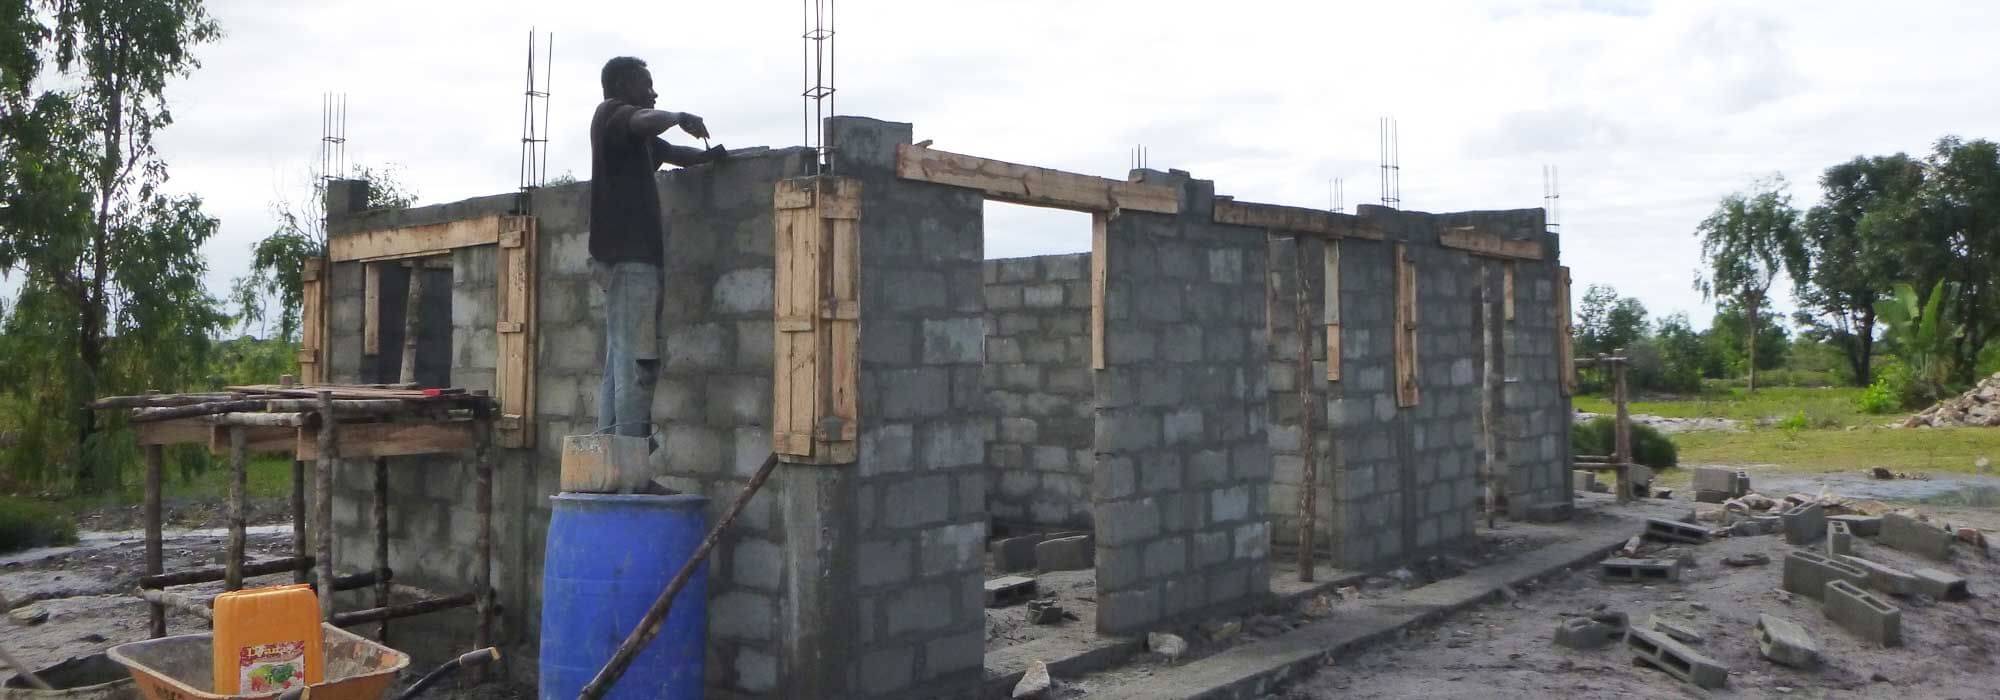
[[1649, 446], [25, 524], [1878, 398]]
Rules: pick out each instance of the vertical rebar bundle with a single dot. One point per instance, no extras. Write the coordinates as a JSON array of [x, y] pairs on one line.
[[535, 128], [817, 78], [1392, 164], [1552, 198]]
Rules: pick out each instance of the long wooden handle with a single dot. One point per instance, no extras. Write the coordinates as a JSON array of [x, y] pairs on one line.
[[649, 626]]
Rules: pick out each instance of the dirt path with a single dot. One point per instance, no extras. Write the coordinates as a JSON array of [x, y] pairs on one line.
[[1505, 650]]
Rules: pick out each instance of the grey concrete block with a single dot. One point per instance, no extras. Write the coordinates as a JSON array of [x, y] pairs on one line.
[[1123, 522], [954, 341], [1586, 633], [888, 669], [1166, 557], [1674, 531], [1716, 479], [1808, 573], [1805, 524], [1839, 539], [1584, 481], [756, 563], [1014, 553], [1863, 614], [743, 291], [1884, 578], [742, 615], [1707, 496], [1676, 659], [1008, 590], [1785, 642], [1071, 553], [1916, 537], [1640, 570], [919, 501], [884, 562], [1941, 585], [926, 607], [1860, 525], [952, 548]]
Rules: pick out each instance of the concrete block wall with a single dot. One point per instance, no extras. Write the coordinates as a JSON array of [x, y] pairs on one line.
[[1182, 487], [910, 612], [1536, 414], [1037, 380], [1289, 257], [711, 407]]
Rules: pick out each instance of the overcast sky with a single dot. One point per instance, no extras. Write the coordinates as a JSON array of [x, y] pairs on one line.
[[1652, 110]]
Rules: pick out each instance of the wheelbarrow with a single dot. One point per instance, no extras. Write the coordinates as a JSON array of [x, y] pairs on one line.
[[181, 668], [93, 677]]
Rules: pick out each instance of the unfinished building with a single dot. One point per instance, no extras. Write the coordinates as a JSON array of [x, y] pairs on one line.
[[922, 398]]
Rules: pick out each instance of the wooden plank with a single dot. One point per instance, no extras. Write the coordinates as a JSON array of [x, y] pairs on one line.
[[794, 344], [514, 385], [416, 241], [1477, 242], [1333, 352], [371, 309], [840, 214], [172, 432], [357, 440], [1507, 290], [1294, 220], [1565, 351], [1100, 252], [1033, 186], [312, 320], [1330, 302], [258, 440]]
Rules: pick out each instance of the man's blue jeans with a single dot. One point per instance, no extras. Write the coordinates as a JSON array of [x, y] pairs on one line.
[[631, 346]]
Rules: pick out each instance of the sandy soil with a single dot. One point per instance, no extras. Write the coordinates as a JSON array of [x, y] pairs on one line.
[[1506, 650]]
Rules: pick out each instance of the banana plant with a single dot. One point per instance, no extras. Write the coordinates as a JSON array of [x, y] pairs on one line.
[[1919, 334]]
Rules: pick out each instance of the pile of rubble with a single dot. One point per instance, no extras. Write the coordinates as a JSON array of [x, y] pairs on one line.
[[1979, 407], [1854, 592]]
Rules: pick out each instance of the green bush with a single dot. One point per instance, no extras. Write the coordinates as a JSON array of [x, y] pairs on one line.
[[1649, 446], [25, 524], [1879, 398]]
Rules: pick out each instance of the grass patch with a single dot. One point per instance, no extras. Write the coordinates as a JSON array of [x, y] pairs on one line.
[[1831, 407], [25, 523], [267, 477], [1935, 450]]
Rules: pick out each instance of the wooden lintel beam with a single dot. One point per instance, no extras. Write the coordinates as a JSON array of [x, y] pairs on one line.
[[416, 241], [1295, 220], [1033, 186], [1477, 242]]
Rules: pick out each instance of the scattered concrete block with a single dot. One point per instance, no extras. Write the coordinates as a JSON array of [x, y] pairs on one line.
[[1585, 634], [1640, 570], [1860, 525], [1043, 611], [1808, 573], [1015, 553], [1785, 642], [1680, 632], [1671, 531], [1008, 590], [1707, 496], [1771, 523], [1794, 500], [1885, 578], [1035, 683], [1941, 585], [1911, 535], [1165, 644], [1657, 650], [1716, 479], [1747, 559], [1804, 524], [1839, 539], [1863, 614], [1066, 553], [1581, 480], [1742, 482]]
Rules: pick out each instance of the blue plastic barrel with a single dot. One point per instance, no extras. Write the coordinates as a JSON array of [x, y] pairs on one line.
[[608, 556]]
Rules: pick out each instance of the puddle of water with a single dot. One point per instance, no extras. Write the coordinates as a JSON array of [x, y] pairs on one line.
[[1969, 491]]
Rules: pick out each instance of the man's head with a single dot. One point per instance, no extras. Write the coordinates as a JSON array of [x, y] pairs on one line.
[[626, 78]]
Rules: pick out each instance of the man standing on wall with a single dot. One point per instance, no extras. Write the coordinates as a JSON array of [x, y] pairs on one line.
[[628, 235]]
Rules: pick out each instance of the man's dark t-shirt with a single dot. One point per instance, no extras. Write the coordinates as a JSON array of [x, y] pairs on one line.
[[625, 220]]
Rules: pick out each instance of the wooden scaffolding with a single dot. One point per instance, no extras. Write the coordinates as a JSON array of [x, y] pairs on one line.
[[320, 424]]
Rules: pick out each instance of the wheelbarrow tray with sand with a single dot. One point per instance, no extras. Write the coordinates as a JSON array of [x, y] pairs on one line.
[[181, 667], [93, 677]]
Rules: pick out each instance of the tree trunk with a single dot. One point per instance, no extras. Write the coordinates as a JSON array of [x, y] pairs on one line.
[[1750, 313], [1864, 368]]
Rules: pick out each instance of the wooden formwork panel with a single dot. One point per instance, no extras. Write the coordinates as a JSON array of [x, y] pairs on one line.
[[1565, 351], [1407, 392], [312, 321], [815, 407], [514, 378], [1331, 313]]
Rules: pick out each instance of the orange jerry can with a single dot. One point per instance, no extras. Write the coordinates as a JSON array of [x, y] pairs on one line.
[[267, 640]]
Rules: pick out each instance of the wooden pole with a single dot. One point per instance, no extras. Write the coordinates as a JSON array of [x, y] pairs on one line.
[[1309, 469], [239, 470], [1489, 398], [156, 615], [323, 505], [483, 578], [649, 626], [357, 617], [1621, 450], [382, 542], [412, 312], [304, 567], [218, 573]]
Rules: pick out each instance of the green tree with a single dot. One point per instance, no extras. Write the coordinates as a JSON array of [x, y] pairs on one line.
[[1684, 356], [1922, 336], [1849, 251], [277, 259], [1744, 244], [111, 296], [1962, 201], [1607, 322], [1730, 337]]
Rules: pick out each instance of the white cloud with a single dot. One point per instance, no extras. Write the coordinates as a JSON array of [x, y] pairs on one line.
[[1652, 110]]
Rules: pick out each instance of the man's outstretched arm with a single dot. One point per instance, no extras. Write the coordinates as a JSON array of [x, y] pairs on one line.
[[682, 155], [653, 122]]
